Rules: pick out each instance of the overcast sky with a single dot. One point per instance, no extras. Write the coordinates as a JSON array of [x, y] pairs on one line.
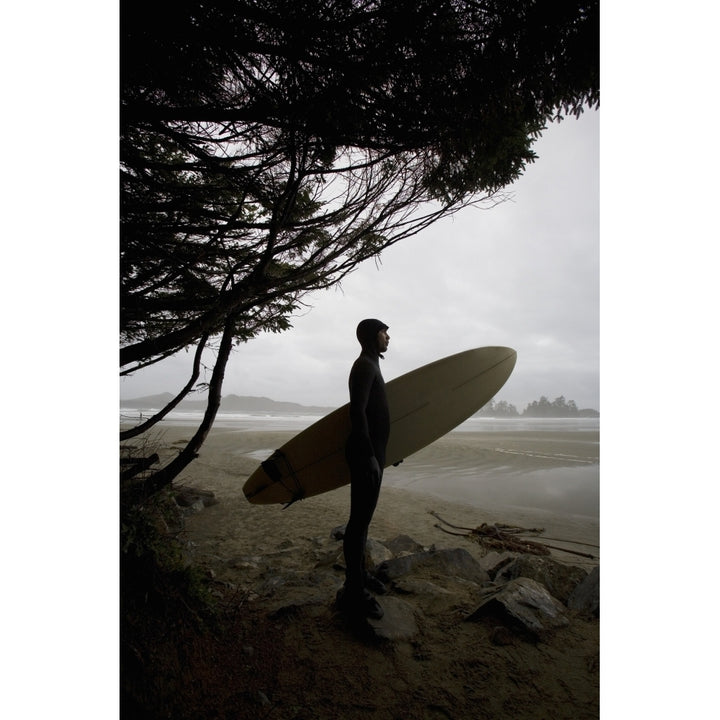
[[524, 274]]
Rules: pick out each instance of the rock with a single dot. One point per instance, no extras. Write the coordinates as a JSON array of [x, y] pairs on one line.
[[193, 508], [375, 553], [329, 559], [397, 623], [494, 561], [432, 599], [338, 533], [457, 563], [403, 544], [411, 586], [586, 596], [296, 583], [190, 497], [526, 604], [558, 578]]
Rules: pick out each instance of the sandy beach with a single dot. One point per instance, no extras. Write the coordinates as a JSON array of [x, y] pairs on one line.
[[301, 658], [522, 478]]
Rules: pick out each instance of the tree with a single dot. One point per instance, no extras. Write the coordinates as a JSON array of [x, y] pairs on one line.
[[270, 146], [559, 407], [499, 409], [505, 409]]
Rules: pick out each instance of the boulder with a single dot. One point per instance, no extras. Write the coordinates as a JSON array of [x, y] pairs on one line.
[[421, 588], [403, 545], [454, 563], [585, 598], [187, 497], [494, 561], [429, 597], [561, 580], [375, 554], [524, 604]]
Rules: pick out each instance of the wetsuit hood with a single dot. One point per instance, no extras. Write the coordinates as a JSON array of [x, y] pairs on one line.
[[367, 331]]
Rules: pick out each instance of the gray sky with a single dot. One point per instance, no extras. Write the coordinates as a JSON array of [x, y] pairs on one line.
[[523, 274]]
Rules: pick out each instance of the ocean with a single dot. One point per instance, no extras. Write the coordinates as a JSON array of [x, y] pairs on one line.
[[267, 421]]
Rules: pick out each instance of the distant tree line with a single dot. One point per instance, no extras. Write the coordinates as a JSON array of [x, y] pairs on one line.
[[558, 408]]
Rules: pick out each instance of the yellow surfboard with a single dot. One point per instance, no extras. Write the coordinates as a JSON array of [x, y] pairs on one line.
[[425, 404]]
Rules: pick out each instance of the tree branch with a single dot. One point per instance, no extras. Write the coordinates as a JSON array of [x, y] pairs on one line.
[[144, 427]]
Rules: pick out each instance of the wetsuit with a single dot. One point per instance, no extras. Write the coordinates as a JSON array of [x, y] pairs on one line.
[[365, 450]]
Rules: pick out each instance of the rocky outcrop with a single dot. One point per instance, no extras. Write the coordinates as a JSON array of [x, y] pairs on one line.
[[454, 563], [559, 579], [516, 596], [522, 604]]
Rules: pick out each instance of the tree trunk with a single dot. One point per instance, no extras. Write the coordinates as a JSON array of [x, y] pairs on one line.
[[163, 477]]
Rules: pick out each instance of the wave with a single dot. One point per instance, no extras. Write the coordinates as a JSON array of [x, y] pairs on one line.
[[270, 421]]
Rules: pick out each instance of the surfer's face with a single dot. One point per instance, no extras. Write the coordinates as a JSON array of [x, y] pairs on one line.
[[383, 340]]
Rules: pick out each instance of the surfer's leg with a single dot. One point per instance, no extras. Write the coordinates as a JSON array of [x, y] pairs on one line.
[[363, 500], [364, 491], [354, 536], [354, 598], [372, 500]]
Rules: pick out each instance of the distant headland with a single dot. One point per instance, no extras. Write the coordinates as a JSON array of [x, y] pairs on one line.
[[230, 403]]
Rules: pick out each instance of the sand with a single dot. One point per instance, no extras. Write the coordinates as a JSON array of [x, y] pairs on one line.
[[496, 472], [294, 656]]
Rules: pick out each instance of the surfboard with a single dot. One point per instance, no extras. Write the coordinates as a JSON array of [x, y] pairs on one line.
[[425, 404]]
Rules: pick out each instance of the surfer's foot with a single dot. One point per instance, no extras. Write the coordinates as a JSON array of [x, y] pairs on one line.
[[374, 584], [363, 604]]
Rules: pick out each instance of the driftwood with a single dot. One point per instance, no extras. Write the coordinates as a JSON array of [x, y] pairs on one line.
[[508, 537]]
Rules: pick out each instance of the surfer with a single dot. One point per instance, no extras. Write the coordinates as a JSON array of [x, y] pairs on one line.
[[365, 454]]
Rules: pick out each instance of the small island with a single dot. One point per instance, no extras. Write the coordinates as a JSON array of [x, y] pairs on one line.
[[542, 408]]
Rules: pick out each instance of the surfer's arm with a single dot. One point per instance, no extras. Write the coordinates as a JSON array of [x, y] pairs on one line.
[[361, 380]]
